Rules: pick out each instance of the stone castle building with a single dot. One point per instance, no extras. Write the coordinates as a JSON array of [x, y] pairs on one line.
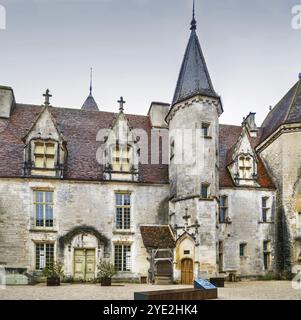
[[172, 196]]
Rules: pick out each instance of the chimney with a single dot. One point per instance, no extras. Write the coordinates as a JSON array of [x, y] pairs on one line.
[[250, 123], [7, 101]]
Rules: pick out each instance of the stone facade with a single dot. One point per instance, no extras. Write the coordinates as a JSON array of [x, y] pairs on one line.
[[172, 196], [75, 204]]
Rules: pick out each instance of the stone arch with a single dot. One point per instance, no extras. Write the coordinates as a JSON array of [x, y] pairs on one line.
[[67, 238]]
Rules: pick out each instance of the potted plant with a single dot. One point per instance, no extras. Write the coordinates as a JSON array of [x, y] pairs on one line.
[[53, 273], [106, 271]]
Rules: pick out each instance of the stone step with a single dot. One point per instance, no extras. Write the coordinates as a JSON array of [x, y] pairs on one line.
[[161, 280]]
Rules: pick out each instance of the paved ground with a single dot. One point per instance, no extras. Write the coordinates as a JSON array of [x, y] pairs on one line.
[[255, 290]]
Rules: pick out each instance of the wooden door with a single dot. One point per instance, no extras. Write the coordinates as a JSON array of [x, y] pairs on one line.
[[84, 264], [79, 264], [90, 265], [186, 271]]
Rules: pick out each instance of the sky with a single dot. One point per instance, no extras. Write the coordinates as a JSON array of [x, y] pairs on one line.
[[136, 48]]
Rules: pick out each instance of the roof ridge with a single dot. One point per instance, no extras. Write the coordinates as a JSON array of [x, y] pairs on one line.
[[292, 102]]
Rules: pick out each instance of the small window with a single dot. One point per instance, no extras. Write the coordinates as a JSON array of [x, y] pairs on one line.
[[223, 209], [186, 251], [242, 249], [299, 224], [43, 208], [220, 256], [205, 129], [172, 149], [205, 187], [267, 254], [44, 255], [265, 209], [123, 210], [44, 155], [122, 257]]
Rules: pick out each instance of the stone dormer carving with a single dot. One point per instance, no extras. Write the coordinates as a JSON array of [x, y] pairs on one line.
[[45, 150], [121, 150], [243, 167]]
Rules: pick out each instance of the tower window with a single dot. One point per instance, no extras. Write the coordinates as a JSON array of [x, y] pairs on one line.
[[172, 149], [242, 249], [265, 209], [223, 209], [299, 225], [267, 254], [205, 190], [205, 130], [220, 256]]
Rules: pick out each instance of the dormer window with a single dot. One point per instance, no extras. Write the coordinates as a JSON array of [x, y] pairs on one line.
[[121, 158], [45, 151], [44, 155], [245, 167]]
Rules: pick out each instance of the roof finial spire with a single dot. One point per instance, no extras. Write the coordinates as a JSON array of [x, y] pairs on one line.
[[193, 21], [47, 96], [91, 80], [121, 104]]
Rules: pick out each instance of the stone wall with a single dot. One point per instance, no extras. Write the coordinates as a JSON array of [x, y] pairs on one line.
[[244, 211], [75, 204], [283, 159]]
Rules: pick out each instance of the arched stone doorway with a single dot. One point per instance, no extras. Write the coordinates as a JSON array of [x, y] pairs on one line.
[[82, 248], [187, 271]]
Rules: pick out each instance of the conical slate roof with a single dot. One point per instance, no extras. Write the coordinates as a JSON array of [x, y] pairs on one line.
[[287, 111], [90, 104], [194, 77]]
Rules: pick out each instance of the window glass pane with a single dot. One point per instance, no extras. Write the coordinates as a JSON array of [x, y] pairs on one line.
[[118, 198], [49, 162], [118, 257], [39, 215], [40, 256], [39, 161], [119, 218], [127, 218], [38, 196], [39, 148], [49, 254], [205, 190], [49, 215], [49, 197], [50, 149], [127, 258], [127, 199]]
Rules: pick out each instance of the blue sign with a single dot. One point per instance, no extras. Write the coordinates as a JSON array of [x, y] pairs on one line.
[[203, 284]]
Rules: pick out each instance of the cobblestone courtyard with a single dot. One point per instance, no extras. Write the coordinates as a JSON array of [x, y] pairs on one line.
[[255, 290]]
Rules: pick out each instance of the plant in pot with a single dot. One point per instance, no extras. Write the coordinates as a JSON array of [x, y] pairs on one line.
[[106, 271], [53, 273]]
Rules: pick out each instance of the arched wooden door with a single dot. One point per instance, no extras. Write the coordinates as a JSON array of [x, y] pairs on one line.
[[186, 271]]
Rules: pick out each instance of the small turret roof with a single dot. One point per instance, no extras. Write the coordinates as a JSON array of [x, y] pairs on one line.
[[194, 77]]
